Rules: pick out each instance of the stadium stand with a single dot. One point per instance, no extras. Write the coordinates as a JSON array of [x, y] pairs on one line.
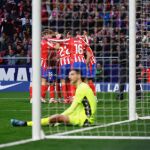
[[98, 17]]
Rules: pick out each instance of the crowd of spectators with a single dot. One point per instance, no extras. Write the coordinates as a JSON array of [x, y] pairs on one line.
[[143, 38], [106, 22], [15, 31]]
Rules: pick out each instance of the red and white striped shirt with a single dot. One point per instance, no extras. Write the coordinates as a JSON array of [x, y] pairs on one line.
[[45, 48], [77, 48], [64, 54], [92, 58]]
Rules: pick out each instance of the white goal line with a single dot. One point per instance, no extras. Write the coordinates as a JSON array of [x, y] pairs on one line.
[[99, 137], [64, 135], [89, 128], [15, 143]]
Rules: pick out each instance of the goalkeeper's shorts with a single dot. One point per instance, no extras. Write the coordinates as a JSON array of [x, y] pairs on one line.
[[79, 120]]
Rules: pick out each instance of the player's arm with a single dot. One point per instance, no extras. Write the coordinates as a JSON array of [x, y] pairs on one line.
[[77, 100], [88, 49], [88, 55], [59, 40], [71, 109], [55, 46]]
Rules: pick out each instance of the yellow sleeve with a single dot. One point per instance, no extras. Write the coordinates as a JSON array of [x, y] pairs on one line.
[[71, 108], [80, 94]]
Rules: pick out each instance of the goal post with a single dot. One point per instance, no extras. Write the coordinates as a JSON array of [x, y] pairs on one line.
[[132, 60], [36, 69], [116, 118], [118, 34]]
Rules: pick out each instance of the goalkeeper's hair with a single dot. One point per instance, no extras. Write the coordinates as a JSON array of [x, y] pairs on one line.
[[78, 71]]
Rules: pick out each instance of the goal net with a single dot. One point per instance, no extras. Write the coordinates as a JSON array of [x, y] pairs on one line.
[[107, 31], [117, 32]]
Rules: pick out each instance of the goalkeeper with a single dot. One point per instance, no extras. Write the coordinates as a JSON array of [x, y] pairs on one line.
[[81, 112]]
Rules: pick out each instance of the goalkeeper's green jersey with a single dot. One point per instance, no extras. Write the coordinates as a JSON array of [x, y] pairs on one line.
[[83, 107]]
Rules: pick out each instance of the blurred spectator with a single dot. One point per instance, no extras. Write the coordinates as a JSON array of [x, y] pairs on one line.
[[145, 71], [123, 71], [99, 72], [106, 23], [96, 18], [15, 28], [11, 57], [138, 77], [1, 57], [22, 60]]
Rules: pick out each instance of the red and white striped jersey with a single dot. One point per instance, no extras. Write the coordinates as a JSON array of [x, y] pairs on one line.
[[92, 58], [77, 48], [46, 46], [64, 54]]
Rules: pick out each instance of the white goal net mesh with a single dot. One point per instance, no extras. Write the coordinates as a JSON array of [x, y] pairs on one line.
[[107, 25], [104, 26]]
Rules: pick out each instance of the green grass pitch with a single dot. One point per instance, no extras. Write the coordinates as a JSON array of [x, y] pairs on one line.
[[16, 105]]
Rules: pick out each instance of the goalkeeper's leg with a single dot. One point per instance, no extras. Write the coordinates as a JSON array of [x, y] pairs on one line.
[[44, 121]]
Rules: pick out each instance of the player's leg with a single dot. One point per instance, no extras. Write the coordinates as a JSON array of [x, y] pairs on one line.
[[91, 73], [62, 80], [59, 119], [52, 92], [57, 83], [30, 92], [51, 81], [44, 85], [58, 90], [52, 120], [78, 119], [64, 72], [68, 88], [44, 88], [122, 82], [64, 89], [44, 121]]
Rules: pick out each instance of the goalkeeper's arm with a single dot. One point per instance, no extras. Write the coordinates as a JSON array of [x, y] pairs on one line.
[[71, 109]]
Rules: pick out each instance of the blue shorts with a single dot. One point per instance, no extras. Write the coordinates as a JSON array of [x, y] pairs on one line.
[[80, 66], [48, 74], [64, 71], [91, 71]]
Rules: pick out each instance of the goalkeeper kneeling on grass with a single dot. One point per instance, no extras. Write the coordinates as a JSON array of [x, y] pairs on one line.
[[81, 112]]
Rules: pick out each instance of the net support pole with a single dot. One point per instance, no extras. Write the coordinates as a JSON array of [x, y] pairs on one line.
[[132, 59], [36, 80]]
